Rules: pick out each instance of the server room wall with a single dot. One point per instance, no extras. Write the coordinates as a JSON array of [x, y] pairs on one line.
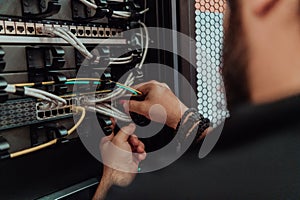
[[29, 56]]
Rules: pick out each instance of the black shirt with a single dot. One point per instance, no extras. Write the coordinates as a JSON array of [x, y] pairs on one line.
[[256, 157]]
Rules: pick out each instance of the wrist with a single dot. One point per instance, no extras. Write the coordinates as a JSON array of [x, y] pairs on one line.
[[178, 117], [104, 185]]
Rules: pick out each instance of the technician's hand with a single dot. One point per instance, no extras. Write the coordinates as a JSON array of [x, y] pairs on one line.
[[160, 104], [121, 155]]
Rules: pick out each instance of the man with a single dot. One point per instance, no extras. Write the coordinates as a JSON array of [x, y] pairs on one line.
[[257, 156]]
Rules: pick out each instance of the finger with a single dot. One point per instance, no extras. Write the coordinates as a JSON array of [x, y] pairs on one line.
[[107, 138], [141, 156], [165, 85], [125, 133], [141, 84], [114, 122], [135, 106], [141, 147], [134, 141]]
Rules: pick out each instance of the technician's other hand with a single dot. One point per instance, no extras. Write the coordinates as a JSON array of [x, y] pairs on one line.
[[121, 156], [160, 104]]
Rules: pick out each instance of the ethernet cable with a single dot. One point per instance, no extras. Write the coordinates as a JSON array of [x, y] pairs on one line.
[[109, 112], [116, 14], [70, 38], [75, 81], [145, 52], [33, 92], [91, 4], [52, 142], [122, 58]]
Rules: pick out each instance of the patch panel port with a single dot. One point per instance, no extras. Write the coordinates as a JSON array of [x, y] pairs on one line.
[[30, 28], [87, 31], [20, 28], [10, 27], [73, 30], [2, 27], [48, 113], [39, 29], [113, 32], [41, 115], [107, 32], [54, 112], [67, 110], [80, 31], [95, 32], [60, 111], [101, 32]]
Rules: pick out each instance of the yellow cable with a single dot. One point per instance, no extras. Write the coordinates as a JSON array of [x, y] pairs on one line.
[[33, 84], [33, 149], [52, 142], [83, 113], [73, 79]]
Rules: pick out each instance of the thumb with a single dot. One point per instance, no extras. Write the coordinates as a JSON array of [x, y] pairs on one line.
[[125, 133], [134, 106]]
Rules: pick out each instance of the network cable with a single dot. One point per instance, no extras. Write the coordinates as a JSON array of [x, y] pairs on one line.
[[69, 37], [52, 142], [115, 14]]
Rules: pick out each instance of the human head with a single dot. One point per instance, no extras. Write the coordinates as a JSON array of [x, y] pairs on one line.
[[262, 43]]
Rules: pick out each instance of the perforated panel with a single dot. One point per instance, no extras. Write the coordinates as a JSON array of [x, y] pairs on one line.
[[209, 37]]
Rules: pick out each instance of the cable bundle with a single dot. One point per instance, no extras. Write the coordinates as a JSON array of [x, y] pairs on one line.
[[115, 14], [69, 37]]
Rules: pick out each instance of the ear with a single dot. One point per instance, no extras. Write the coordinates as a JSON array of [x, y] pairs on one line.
[[262, 7]]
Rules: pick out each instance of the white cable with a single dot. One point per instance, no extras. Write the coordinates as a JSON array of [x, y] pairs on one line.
[[73, 39], [144, 11], [74, 44], [112, 110], [36, 95], [118, 16], [145, 52], [70, 34], [47, 94], [120, 62], [111, 114], [12, 89], [122, 59], [122, 13], [108, 97], [89, 4], [60, 32]]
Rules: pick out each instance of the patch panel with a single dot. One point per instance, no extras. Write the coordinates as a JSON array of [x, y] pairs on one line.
[[30, 29], [23, 112], [10, 28], [44, 113]]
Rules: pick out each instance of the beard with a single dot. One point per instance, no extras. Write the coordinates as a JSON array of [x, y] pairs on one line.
[[235, 61]]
